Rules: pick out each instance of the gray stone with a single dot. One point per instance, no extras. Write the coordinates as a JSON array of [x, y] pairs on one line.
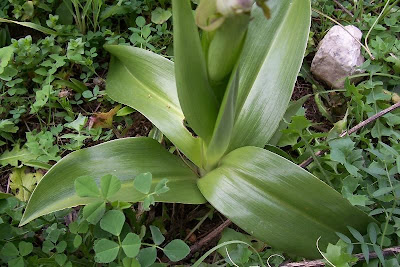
[[338, 56]]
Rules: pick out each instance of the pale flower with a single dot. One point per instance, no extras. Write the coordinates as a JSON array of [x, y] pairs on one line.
[[233, 7]]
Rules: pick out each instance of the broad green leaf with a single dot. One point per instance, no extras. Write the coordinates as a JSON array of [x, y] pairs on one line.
[[47, 246], [85, 186], [382, 191], [131, 245], [124, 158], [224, 124], [279, 202], [53, 233], [28, 9], [6, 53], [197, 99], [15, 155], [379, 253], [269, 64], [93, 212], [106, 251], [372, 232], [338, 257], [159, 15], [31, 25], [344, 238], [79, 84], [8, 73], [70, 85], [78, 228], [78, 123], [357, 235], [140, 21], [64, 13], [117, 9], [125, 111], [199, 262], [158, 237], [365, 251], [142, 232], [109, 185], [25, 248], [147, 256], [61, 246], [147, 202], [129, 262], [224, 49], [17, 262], [100, 233], [6, 126], [4, 195], [176, 250], [10, 250], [146, 82], [291, 110], [22, 183], [161, 187], [228, 235], [142, 182], [121, 205], [113, 221], [77, 241], [38, 164], [60, 259]]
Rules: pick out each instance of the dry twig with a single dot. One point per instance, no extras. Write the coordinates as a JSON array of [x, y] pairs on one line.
[[213, 234], [217, 231], [353, 130], [317, 263], [345, 9]]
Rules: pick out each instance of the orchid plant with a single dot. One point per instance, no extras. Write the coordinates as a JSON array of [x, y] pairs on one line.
[[231, 86]]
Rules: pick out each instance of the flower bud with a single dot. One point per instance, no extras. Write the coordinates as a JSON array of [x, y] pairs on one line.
[[225, 47], [233, 7]]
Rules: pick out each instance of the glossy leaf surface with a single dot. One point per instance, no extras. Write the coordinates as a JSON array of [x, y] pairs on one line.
[[270, 61], [146, 82], [279, 202], [123, 158], [225, 47], [224, 124], [196, 96]]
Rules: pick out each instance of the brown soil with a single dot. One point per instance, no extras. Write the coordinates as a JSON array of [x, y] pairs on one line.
[[18, 31], [303, 88], [141, 126]]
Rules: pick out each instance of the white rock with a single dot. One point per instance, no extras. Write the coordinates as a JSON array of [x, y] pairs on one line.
[[338, 56]]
